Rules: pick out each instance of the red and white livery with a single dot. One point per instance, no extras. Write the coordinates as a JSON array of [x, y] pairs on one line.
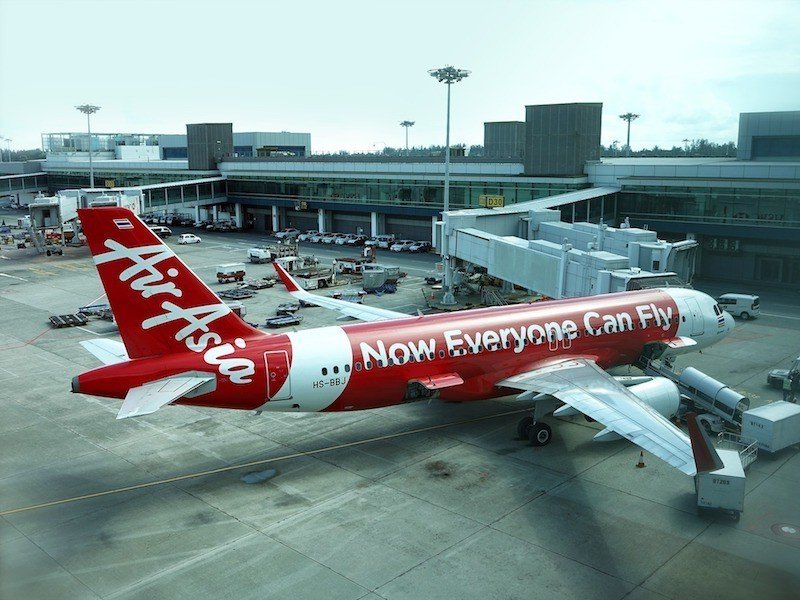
[[182, 345]]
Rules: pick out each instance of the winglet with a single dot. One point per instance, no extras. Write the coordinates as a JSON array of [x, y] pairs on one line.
[[288, 280], [706, 458]]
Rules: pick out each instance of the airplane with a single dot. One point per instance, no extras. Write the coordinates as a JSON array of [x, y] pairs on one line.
[[182, 345]]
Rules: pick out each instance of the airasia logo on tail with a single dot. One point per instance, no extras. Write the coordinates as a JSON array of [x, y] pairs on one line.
[[143, 276]]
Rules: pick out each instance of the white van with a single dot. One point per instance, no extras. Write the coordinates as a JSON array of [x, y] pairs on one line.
[[740, 305]]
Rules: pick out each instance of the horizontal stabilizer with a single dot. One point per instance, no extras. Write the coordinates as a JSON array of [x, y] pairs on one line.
[[148, 398], [109, 352]]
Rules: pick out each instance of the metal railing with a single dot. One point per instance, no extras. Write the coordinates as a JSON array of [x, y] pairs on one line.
[[748, 451]]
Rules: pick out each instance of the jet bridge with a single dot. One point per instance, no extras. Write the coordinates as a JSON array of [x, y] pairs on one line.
[[528, 245]]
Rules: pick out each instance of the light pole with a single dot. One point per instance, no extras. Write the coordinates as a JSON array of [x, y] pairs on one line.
[[628, 117], [448, 75], [407, 124], [8, 147], [2, 139], [686, 145], [88, 110]]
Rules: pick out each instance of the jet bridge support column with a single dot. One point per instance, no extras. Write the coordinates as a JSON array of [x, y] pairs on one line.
[[275, 221], [237, 206]]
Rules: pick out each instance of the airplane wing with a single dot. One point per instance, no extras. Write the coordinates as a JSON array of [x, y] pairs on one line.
[[109, 352], [581, 384], [148, 398], [349, 309]]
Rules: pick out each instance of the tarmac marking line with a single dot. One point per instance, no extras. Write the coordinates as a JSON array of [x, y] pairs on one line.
[[12, 276], [87, 330], [763, 313], [254, 463]]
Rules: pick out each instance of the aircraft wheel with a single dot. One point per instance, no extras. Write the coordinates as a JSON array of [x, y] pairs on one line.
[[540, 434], [523, 427], [745, 316]]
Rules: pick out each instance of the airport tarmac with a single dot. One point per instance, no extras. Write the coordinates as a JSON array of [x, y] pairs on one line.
[[423, 500]]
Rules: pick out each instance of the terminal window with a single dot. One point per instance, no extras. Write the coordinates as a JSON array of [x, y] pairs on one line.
[[785, 146]]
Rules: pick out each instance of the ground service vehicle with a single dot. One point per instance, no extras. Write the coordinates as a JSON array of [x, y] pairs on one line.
[[744, 306], [230, 272]]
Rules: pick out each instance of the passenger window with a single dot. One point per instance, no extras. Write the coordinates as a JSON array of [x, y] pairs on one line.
[[369, 364], [441, 354], [358, 366], [347, 368], [324, 371], [336, 370], [683, 318]]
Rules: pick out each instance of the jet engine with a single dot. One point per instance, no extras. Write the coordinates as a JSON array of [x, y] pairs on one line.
[[659, 393]]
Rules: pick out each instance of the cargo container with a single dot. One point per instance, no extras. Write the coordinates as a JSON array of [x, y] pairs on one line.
[[774, 426]]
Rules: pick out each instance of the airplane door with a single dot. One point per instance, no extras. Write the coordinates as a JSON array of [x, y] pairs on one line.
[[279, 384], [698, 320]]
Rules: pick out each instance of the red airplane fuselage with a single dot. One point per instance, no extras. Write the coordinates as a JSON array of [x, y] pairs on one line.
[[369, 365]]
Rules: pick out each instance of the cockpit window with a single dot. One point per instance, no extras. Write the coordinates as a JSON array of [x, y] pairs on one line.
[[717, 310]]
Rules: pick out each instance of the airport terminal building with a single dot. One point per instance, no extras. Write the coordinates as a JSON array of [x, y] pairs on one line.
[[743, 211]]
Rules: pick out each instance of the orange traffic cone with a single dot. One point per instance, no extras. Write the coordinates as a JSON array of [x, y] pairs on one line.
[[640, 464]]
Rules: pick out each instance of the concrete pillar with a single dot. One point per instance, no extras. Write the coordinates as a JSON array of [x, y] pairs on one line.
[[373, 224], [214, 212], [275, 219], [196, 213], [321, 219], [238, 214]]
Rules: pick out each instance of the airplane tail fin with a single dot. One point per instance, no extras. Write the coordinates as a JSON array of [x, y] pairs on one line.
[[159, 304]]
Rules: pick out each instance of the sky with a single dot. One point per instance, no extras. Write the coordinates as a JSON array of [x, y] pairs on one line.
[[348, 72]]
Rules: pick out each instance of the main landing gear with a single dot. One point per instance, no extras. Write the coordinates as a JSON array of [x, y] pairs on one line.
[[536, 432]]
